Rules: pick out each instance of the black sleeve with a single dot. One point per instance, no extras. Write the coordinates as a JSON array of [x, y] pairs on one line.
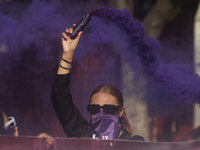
[[127, 136], [137, 138], [69, 116]]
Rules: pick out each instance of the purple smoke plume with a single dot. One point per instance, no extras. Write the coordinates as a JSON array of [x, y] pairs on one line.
[[136, 33], [30, 45], [174, 83]]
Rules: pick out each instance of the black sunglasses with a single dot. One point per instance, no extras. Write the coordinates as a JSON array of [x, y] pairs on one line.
[[109, 109]]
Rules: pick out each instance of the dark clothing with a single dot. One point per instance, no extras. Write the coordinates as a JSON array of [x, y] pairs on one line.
[[69, 116], [1, 122]]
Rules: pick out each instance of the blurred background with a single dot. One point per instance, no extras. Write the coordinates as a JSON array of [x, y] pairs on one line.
[[174, 23]]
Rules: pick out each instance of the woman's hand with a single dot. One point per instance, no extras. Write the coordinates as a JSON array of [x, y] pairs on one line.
[[48, 138], [70, 45], [15, 131]]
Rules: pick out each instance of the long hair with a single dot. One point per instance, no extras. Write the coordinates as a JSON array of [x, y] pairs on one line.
[[118, 95]]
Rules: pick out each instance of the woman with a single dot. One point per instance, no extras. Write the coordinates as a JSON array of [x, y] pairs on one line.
[[108, 117]]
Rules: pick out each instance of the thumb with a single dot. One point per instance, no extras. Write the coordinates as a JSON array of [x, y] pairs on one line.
[[78, 36]]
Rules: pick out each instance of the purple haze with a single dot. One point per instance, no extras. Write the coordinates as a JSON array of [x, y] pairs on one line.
[[30, 45], [174, 83]]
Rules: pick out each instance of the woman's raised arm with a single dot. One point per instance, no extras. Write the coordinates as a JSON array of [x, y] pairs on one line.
[[69, 46]]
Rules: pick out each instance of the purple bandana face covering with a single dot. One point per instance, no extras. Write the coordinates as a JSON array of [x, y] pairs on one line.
[[105, 126]]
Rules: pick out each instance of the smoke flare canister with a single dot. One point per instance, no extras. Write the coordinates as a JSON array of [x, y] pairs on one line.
[[81, 24]]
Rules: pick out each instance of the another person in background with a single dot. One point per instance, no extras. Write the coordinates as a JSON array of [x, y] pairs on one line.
[[5, 124]]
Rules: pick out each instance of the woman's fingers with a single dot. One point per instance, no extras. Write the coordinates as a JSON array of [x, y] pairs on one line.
[[64, 35], [15, 132], [71, 30], [79, 36], [48, 138], [69, 43], [67, 33]]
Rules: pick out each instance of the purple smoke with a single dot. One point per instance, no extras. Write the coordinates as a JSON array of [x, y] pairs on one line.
[[30, 45], [174, 83], [134, 29]]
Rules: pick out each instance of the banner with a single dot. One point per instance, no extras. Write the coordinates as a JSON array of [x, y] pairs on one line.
[[35, 143]]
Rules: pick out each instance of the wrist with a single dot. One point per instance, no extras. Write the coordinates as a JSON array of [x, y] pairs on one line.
[[68, 56], [68, 53]]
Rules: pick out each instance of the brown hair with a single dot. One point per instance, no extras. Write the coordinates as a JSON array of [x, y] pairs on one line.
[[118, 95]]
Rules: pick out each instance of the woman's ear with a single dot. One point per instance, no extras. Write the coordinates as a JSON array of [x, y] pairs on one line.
[[122, 111]]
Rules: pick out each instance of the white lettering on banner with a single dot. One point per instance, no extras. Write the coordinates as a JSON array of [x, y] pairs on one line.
[[105, 137]]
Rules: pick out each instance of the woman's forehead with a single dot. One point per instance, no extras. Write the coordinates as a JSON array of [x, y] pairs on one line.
[[102, 98]]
